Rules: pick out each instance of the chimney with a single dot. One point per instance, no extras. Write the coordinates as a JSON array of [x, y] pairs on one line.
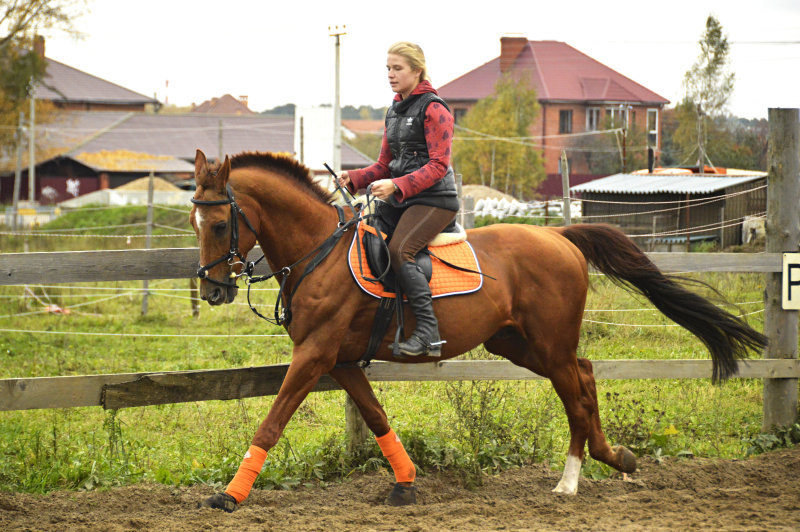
[[510, 48], [38, 45]]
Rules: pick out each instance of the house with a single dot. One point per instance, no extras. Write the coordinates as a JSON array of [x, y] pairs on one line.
[[108, 149], [352, 128], [70, 89], [577, 94], [664, 209], [224, 105], [104, 136]]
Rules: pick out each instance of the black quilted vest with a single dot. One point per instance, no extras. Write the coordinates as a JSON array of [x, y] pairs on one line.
[[405, 134]]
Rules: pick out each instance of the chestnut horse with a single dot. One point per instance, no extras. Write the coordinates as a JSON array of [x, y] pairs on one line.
[[530, 314]]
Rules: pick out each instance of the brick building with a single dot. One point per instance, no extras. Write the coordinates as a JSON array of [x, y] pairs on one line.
[[70, 89], [577, 94]]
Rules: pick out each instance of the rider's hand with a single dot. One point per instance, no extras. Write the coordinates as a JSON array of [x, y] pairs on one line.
[[383, 188], [344, 179]]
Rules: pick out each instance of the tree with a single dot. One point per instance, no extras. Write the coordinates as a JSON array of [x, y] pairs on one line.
[[18, 64], [708, 86], [492, 146], [731, 142]]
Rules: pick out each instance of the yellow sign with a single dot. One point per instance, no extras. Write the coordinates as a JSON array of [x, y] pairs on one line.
[[790, 291]]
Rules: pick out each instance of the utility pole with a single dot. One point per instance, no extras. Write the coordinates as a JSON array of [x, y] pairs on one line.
[[337, 32], [32, 146]]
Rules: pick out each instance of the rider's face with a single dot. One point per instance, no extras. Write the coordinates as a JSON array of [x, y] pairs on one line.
[[402, 78]]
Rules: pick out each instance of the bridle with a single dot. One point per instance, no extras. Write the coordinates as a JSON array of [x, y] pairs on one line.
[[282, 314], [234, 256]]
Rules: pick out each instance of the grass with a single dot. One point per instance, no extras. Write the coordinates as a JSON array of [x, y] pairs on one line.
[[475, 428]]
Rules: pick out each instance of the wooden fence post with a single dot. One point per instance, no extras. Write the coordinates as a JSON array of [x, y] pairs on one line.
[[355, 428], [148, 241], [469, 213], [565, 188], [783, 234], [194, 296]]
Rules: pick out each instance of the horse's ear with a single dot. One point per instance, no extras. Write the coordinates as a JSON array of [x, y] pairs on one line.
[[200, 162], [201, 173]]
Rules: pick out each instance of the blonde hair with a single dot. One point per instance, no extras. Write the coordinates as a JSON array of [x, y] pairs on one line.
[[414, 55]]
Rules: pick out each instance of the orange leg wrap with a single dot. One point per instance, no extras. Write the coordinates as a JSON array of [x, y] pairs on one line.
[[242, 482], [393, 450]]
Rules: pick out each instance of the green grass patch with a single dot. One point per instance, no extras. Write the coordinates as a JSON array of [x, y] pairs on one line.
[[475, 428]]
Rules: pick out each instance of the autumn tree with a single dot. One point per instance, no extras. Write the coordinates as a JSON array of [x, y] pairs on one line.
[[18, 64], [708, 87], [492, 145]]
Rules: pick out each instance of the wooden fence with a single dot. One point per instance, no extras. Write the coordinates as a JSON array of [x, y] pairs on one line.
[[780, 366]]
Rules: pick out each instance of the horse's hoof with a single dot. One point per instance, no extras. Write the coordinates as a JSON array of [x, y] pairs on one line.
[[627, 460], [221, 501], [402, 495]]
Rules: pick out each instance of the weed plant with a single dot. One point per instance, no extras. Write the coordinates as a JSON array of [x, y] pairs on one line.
[[474, 428]]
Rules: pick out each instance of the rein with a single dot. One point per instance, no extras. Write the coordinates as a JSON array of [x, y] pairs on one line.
[[283, 313]]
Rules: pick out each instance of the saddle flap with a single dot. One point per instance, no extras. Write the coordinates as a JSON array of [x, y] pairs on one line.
[[377, 255]]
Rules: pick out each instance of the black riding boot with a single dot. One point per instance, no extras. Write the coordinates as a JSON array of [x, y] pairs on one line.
[[425, 338]]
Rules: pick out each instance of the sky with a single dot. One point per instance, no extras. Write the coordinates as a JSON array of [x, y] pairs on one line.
[[186, 52]]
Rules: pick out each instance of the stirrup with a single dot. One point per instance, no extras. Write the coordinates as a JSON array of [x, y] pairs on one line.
[[431, 349]]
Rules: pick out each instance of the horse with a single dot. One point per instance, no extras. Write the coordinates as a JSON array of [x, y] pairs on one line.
[[528, 311]]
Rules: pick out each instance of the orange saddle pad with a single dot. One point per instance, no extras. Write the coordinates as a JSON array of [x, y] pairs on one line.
[[445, 281]]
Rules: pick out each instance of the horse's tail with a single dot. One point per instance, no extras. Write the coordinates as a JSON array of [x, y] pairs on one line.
[[727, 337]]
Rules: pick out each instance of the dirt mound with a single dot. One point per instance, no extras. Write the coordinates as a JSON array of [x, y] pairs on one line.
[[144, 182], [683, 494]]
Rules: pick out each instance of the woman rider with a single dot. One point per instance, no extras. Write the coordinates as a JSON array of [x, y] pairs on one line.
[[414, 178]]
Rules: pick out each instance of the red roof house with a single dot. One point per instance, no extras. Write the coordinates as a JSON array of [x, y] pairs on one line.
[[577, 94], [224, 105]]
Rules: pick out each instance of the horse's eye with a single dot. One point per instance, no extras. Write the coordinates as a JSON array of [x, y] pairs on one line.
[[220, 228]]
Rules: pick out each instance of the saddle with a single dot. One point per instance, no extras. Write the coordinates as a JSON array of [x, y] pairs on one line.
[[376, 251], [449, 264]]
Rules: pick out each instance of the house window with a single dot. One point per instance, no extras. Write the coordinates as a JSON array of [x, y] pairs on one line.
[[618, 116], [565, 121], [458, 115], [652, 127], [592, 119]]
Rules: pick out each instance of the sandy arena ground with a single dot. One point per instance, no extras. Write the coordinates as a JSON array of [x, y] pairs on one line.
[[762, 493]]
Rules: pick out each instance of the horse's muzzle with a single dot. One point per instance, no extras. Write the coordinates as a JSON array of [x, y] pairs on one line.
[[218, 295]]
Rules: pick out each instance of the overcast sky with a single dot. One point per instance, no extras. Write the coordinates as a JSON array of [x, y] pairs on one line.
[[281, 52]]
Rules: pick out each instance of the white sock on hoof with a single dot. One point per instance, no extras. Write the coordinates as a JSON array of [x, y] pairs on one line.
[[569, 479]]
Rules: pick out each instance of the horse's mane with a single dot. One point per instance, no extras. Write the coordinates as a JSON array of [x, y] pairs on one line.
[[284, 165]]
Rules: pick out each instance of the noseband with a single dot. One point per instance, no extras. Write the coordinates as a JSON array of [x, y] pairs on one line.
[[233, 256]]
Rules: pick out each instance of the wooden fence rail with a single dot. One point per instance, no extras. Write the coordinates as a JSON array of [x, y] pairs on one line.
[[181, 263], [123, 390]]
